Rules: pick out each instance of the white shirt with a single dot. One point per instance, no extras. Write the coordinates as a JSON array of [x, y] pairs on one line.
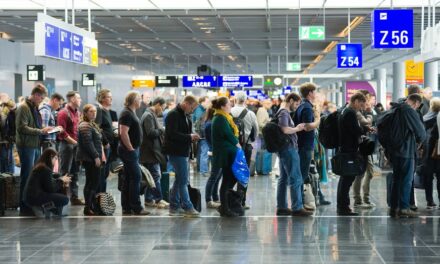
[[250, 120]]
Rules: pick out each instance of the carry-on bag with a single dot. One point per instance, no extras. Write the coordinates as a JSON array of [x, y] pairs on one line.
[[9, 192]]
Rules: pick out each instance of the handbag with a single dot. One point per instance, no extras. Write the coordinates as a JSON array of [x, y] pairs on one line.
[[435, 153], [240, 168], [105, 203], [349, 164]]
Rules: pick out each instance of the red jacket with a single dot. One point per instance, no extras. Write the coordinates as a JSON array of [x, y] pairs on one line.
[[69, 122]]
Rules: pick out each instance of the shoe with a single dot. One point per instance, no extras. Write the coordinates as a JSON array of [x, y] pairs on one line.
[[357, 205], [191, 213], [368, 205], [393, 213], [346, 212], [162, 204], [308, 207], [176, 212], [302, 212], [141, 213], [284, 211], [88, 212], [309, 198], [246, 207], [324, 202], [408, 213], [227, 213], [77, 201], [213, 205], [150, 204], [413, 208], [431, 206], [127, 212]]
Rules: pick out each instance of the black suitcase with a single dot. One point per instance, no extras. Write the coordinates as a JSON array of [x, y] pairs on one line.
[[9, 192], [196, 198]]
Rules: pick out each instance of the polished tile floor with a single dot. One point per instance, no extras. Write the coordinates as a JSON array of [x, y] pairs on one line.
[[260, 237]]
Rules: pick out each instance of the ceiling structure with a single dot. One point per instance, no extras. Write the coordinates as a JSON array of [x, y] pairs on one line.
[[247, 37]]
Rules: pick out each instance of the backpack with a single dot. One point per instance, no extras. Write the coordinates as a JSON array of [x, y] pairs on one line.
[[391, 128], [105, 203], [328, 131], [273, 136], [239, 122]]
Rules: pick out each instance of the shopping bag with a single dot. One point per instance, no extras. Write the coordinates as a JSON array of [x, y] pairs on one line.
[[240, 168]]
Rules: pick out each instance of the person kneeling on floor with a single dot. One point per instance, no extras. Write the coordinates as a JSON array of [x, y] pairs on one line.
[[43, 190]]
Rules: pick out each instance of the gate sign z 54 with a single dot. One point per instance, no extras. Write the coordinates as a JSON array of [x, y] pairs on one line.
[[349, 55], [392, 28]]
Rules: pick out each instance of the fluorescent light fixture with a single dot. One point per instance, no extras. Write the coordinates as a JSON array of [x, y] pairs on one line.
[[353, 24], [207, 28], [232, 58], [200, 18]]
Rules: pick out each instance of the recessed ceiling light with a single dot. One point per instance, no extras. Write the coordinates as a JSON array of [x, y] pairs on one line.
[[131, 30]]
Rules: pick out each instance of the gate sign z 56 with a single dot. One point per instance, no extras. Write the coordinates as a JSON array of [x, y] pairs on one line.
[[392, 28], [349, 55]]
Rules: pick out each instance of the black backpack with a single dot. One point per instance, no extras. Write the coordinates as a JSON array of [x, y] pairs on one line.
[[274, 137], [391, 128], [239, 122], [328, 130]]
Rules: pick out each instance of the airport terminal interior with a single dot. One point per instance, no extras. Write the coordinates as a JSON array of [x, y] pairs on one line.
[[364, 55]]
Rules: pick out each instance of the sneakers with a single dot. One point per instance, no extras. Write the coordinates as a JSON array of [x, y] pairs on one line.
[[393, 213], [176, 212], [150, 204], [191, 213], [309, 198], [324, 202], [302, 213], [408, 213], [346, 212], [413, 208], [162, 204], [431, 206], [77, 201], [367, 205], [284, 211], [246, 207], [141, 213], [213, 205]]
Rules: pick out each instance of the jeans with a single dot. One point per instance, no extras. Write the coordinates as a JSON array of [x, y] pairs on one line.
[[179, 196], [91, 187], [403, 174], [7, 163], [343, 195], [211, 190], [290, 175], [28, 157], [68, 165], [305, 156], [154, 194], [105, 171], [203, 154], [364, 182], [130, 197]]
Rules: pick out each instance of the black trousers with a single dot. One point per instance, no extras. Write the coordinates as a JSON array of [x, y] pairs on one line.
[[343, 196], [247, 153], [91, 187], [58, 199], [228, 183]]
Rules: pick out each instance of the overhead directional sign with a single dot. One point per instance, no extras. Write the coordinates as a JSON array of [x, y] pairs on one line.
[[199, 81], [167, 81], [312, 33], [392, 28], [271, 81], [349, 55], [235, 81], [293, 66]]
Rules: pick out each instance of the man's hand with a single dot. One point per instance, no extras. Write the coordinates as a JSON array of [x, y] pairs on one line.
[[300, 127], [46, 130], [97, 162], [195, 137]]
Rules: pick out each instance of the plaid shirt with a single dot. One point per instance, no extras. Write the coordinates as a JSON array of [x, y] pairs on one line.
[[48, 119]]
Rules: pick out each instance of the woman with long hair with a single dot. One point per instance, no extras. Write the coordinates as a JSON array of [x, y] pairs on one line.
[[90, 154], [43, 187]]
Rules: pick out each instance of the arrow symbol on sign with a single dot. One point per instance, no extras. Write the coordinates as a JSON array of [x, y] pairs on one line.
[[318, 32]]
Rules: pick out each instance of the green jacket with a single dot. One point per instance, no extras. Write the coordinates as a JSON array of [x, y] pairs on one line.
[[223, 142], [28, 134]]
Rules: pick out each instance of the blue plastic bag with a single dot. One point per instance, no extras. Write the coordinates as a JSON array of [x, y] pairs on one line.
[[240, 168]]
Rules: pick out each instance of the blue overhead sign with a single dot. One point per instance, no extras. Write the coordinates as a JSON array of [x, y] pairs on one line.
[[199, 81], [392, 28], [77, 48], [235, 81], [65, 45], [349, 55], [52, 39]]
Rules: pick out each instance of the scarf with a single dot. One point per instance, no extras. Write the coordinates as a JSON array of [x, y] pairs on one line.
[[430, 115], [228, 117]]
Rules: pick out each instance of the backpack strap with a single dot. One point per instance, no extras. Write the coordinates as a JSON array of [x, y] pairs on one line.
[[243, 114]]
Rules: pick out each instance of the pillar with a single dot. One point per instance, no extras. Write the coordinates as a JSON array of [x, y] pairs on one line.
[[398, 80], [431, 75], [366, 76], [380, 75]]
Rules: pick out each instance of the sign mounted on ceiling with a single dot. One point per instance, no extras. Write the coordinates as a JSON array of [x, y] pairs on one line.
[[36, 73], [349, 55], [199, 81], [312, 33], [143, 82], [59, 40], [167, 81], [235, 81], [414, 72], [272, 81], [293, 66], [392, 28]]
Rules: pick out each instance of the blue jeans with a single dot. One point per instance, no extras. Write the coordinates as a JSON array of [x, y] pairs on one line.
[[403, 174], [28, 157], [211, 190], [290, 175], [130, 197], [204, 158], [154, 193], [179, 196], [105, 171], [305, 157]]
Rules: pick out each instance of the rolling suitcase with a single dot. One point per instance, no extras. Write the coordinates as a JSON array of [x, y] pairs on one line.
[[9, 192], [263, 162]]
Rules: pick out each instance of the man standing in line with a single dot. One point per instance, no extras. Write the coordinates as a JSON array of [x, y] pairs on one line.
[[29, 130], [48, 119], [68, 119]]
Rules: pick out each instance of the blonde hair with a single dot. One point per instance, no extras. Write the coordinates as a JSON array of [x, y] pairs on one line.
[[130, 98], [434, 105], [102, 94]]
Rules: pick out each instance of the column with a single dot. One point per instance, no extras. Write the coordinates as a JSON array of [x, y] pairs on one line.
[[431, 75], [341, 95], [398, 80], [366, 76], [380, 75], [331, 96]]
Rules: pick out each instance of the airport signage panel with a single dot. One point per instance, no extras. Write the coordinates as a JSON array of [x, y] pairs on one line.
[[57, 39], [235, 81], [392, 28], [167, 81], [293, 66], [200, 81], [35, 72], [88, 79], [349, 55], [312, 33], [271, 81]]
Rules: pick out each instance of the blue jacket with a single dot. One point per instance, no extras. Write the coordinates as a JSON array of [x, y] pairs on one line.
[[198, 113]]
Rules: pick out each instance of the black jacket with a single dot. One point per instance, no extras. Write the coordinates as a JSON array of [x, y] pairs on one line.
[[178, 133], [89, 143], [152, 133], [350, 130], [104, 120], [41, 180]]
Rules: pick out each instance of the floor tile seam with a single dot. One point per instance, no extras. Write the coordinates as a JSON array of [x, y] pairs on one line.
[[423, 242], [93, 251], [212, 237], [156, 240], [38, 251]]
